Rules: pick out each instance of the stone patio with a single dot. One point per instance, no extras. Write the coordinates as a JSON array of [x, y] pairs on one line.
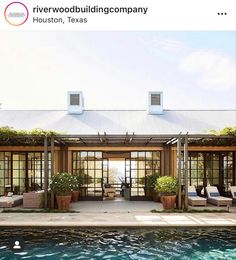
[[115, 206], [117, 220], [119, 213]]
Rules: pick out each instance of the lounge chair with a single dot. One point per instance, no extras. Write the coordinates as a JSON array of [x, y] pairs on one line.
[[194, 199], [233, 192], [9, 202], [213, 197]]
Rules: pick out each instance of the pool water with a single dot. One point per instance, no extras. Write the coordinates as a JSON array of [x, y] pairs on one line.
[[112, 243]]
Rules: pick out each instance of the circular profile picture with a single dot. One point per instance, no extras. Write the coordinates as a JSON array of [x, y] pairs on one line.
[[16, 13]]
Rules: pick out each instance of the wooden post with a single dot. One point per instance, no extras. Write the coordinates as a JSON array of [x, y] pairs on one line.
[[52, 169], [66, 159], [166, 161], [234, 168], [45, 172], [186, 171], [179, 172]]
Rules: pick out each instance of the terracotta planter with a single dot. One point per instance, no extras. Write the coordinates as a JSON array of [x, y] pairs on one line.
[[74, 196], [63, 202], [168, 202]]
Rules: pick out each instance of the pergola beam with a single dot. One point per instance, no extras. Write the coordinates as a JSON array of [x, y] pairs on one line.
[[164, 136], [82, 141], [186, 172], [52, 169], [45, 172], [150, 139], [179, 172]]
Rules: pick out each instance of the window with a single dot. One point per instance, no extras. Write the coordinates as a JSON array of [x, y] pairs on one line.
[[22, 171], [155, 99], [211, 168], [74, 99], [89, 165], [143, 165]]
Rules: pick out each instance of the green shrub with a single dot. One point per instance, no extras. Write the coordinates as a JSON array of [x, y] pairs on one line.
[[76, 182], [152, 179], [167, 185], [61, 184]]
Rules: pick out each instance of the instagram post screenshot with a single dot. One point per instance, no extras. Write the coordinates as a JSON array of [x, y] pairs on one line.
[[118, 129]]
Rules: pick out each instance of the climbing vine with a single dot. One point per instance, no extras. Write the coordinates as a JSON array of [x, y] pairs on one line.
[[227, 131], [10, 136]]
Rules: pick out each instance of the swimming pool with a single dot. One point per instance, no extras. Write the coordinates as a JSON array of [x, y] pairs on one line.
[[122, 243]]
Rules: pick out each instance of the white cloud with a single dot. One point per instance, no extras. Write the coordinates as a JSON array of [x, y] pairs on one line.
[[213, 70], [163, 43], [170, 44]]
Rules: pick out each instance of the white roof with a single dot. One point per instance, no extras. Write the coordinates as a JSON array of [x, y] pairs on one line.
[[120, 121]]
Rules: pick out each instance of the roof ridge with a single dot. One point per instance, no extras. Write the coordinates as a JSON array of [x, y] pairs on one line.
[[141, 110]]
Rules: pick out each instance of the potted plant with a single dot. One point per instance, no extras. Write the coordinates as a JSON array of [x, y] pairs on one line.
[[125, 189], [76, 182], [151, 186], [168, 187], [61, 187]]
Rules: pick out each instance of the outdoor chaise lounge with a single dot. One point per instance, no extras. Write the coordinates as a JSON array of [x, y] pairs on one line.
[[33, 199], [9, 202], [194, 199], [233, 192], [213, 197]]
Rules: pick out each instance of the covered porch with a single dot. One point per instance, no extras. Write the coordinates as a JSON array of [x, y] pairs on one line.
[[174, 159]]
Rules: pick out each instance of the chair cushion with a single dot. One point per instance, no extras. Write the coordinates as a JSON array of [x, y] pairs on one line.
[[214, 194], [192, 194], [9, 194]]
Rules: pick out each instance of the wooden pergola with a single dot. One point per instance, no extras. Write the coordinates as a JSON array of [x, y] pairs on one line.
[[127, 140], [180, 139]]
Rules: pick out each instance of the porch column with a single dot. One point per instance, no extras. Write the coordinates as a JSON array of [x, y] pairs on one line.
[[186, 172], [234, 167], [66, 159], [45, 172], [166, 153], [179, 171], [52, 169]]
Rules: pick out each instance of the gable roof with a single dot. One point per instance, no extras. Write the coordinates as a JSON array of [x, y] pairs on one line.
[[120, 121]]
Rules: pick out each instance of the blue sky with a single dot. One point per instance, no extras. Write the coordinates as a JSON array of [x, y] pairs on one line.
[[115, 70]]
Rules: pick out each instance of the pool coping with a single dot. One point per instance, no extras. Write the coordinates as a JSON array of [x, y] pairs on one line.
[[133, 220]]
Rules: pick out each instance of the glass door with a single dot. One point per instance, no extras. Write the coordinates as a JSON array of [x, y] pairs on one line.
[[18, 173], [116, 174]]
